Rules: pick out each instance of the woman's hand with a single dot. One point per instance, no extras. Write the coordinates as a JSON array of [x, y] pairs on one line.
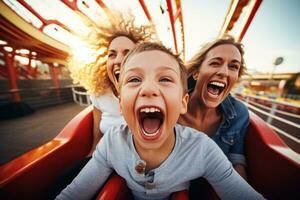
[[241, 170]]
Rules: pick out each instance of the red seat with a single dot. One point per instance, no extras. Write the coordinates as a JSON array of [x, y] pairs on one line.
[[116, 189], [31, 176], [273, 168]]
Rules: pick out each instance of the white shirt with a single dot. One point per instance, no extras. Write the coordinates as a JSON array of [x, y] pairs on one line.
[[108, 104]]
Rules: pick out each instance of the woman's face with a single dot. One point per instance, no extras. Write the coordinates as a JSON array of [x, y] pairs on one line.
[[117, 50], [217, 75]]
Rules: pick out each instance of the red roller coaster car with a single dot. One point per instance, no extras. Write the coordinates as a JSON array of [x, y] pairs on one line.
[[273, 168]]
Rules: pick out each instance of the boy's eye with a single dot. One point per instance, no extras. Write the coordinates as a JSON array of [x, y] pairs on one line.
[[165, 79], [134, 80], [214, 63]]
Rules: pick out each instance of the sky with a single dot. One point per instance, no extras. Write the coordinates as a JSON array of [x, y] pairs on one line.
[[274, 32], [202, 22]]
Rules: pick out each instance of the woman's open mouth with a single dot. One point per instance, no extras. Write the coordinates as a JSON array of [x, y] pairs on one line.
[[215, 88], [150, 122], [117, 74]]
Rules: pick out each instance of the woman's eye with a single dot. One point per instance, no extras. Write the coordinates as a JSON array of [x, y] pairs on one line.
[[111, 55], [234, 67], [125, 52]]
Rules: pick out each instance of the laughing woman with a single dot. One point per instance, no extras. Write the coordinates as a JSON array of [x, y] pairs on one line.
[[211, 109], [100, 77]]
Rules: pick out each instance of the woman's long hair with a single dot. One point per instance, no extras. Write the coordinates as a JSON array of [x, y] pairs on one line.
[[93, 75]]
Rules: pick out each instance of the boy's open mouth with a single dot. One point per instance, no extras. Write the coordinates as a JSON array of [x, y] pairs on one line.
[[150, 121], [215, 88]]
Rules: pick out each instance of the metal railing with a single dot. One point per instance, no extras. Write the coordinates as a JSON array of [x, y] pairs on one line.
[[80, 96], [291, 96], [39, 97], [275, 117]]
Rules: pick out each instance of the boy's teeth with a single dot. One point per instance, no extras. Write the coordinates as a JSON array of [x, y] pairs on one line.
[[149, 110], [217, 84]]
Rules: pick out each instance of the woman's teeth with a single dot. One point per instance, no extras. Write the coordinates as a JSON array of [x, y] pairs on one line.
[[218, 84], [215, 88], [117, 74]]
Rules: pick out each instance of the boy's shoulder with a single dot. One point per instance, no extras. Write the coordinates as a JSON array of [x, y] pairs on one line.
[[193, 141], [117, 142], [117, 133]]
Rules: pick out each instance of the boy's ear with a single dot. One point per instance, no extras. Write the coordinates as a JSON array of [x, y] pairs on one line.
[[185, 100], [120, 106], [196, 75]]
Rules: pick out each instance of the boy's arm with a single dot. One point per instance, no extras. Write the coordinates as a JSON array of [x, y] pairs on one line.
[[91, 177], [225, 180]]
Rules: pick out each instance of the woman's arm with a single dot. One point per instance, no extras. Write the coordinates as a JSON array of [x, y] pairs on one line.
[[97, 135], [241, 170], [241, 122]]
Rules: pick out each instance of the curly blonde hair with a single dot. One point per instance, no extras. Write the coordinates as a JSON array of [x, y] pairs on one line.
[[93, 75]]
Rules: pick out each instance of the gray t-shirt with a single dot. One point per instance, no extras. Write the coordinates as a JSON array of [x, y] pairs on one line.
[[194, 155]]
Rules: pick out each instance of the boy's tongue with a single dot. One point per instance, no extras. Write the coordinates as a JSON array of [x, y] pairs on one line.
[[151, 125]]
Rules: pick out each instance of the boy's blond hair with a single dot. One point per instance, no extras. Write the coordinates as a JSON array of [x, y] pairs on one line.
[[150, 46]]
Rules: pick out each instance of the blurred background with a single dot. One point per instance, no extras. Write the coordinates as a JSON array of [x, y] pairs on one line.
[[36, 38]]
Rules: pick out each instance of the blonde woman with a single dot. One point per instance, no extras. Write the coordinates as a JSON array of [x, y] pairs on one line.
[[100, 77]]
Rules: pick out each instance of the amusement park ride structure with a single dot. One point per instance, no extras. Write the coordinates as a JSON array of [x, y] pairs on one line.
[[16, 33], [273, 168]]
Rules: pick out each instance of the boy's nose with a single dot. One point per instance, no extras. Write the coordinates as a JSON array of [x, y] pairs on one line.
[[149, 89]]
